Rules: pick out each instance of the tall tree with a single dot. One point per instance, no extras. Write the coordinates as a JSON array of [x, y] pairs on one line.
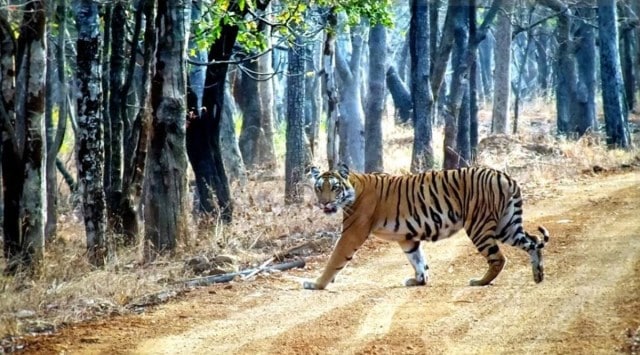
[[454, 110], [165, 203], [295, 155], [89, 136], [502, 73], [422, 156], [564, 66], [585, 104], [114, 161], [373, 160], [614, 105], [23, 158], [351, 125], [139, 130]]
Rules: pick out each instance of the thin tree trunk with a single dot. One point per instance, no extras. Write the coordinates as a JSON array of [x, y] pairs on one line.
[[502, 76], [116, 100], [422, 156], [333, 110], [295, 155], [89, 138], [453, 108], [585, 116], [373, 160], [134, 167]]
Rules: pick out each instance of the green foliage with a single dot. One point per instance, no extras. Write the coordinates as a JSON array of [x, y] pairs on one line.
[[287, 17]]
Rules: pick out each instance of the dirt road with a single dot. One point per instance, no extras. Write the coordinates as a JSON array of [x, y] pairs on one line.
[[590, 296]]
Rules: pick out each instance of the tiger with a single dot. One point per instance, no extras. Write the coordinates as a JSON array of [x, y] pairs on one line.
[[429, 206]]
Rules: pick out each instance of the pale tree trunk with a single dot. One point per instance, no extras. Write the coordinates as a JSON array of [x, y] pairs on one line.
[[256, 137], [331, 89], [165, 203], [133, 177], [615, 109], [24, 136], [375, 100], [313, 92], [233, 163], [89, 136], [351, 124], [502, 72], [422, 158], [295, 155]]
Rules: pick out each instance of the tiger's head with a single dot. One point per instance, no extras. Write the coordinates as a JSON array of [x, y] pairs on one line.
[[332, 188]]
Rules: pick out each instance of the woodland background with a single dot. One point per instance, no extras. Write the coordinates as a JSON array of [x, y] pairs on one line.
[[135, 134]]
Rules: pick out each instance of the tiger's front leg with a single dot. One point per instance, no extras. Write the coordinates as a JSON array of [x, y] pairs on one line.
[[416, 258], [343, 252]]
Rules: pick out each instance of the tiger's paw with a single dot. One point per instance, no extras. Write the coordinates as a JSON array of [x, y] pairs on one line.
[[412, 281], [477, 282], [310, 285]]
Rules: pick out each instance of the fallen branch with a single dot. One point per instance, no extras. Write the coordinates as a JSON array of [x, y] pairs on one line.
[[277, 256], [209, 280]]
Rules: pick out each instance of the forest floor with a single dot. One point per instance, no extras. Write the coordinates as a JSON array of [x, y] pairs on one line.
[[589, 301]]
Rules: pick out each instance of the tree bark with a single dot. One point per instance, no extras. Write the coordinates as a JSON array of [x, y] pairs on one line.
[[116, 100], [89, 137], [458, 85], [295, 154], [422, 156], [331, 90], [400, 95], [351, 124], [139, 133], [373, 160], [585, 117], [165, 203], [502, 76], [614, 105]]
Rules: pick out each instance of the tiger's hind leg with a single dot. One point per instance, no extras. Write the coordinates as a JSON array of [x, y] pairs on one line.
[[490, 250], [416, 258]]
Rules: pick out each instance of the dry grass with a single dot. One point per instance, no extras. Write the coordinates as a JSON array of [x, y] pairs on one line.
[[70, 290]]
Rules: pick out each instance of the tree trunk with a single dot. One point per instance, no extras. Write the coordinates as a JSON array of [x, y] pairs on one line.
[[502, 76], [134, 168], [116, 100], [295, 154], [351, 124], [486, 55], [333, 106], [614, 105], [313, 90], [165, 207], [24, 136], [626, 53], [565, 66], [89, 137], [400, 95], [585, 116], [233, 164], [12, 166], [422, 155], [375, 100], [473, 88], [458, 85]]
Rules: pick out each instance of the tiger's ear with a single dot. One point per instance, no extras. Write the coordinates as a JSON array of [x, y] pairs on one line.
[[313, 173], [343, 170]]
